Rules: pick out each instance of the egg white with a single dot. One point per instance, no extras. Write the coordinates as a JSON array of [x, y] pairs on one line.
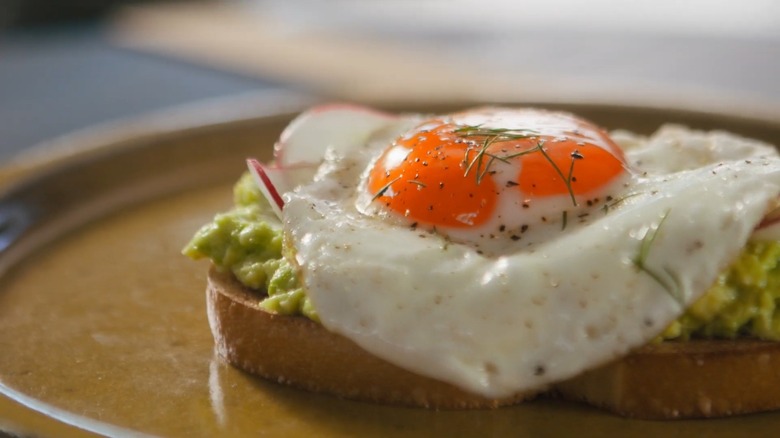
[[499, 324]]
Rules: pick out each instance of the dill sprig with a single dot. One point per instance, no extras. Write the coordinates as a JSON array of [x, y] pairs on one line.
[[384, 188], [491, 136], [671, 283], [480, 131], [558, 171], [478, 159], [496, 135], [619, 201]]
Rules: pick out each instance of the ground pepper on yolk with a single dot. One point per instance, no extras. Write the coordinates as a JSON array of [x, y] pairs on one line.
[[429, 185], [443, 172]]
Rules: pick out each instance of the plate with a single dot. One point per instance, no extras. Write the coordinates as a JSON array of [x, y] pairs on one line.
[[103, 325]]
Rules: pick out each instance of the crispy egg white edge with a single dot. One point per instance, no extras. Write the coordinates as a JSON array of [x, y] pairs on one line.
[[496, 326]]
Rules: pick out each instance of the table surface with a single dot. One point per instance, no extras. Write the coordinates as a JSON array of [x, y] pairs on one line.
[[54, 80], [57, 80]]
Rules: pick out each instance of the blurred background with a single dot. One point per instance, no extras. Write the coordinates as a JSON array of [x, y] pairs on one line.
[[69, 64]]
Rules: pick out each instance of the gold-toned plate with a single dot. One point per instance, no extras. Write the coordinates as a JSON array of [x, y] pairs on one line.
[[103, 326]]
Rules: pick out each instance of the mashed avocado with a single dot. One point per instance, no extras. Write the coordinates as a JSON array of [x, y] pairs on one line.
[[247, 241], [742, 302]]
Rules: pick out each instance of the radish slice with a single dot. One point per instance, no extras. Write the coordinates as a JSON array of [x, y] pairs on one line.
[[276, 181], [767, 233], [769, 228], [266, 185], [336, 126]]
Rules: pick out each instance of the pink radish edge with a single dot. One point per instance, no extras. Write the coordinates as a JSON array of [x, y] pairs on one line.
[[267, 187], [771, 218], [767, 222]]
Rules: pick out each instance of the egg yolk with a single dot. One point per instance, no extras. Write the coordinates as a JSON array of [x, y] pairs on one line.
[[453, 172]]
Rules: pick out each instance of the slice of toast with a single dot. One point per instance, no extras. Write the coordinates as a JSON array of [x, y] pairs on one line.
[[299, 352], [703, 378], [700, 378]]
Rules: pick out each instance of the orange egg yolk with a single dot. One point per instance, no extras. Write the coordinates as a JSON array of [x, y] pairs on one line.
[[445, 171]]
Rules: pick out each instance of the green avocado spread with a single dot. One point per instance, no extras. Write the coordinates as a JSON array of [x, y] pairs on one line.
[[742, 302], [248, 241]]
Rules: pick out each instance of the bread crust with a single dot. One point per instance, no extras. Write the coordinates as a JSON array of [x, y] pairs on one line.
[[669, 380], [694, 379], [296, 351]]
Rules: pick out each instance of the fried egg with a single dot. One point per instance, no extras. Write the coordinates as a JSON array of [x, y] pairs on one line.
[[503, 249], [499, 180]]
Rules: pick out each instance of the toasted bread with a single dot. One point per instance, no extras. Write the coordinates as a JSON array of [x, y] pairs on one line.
[[299, 352], [700, 378]]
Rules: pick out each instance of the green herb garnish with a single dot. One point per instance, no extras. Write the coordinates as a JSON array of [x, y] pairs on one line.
[[384, 189], [540, 145], [619, 201], [672, 282], [497, 135]]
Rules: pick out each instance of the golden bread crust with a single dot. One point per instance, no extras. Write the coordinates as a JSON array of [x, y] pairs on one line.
[[703, 378], [695, 379], [299, 352]]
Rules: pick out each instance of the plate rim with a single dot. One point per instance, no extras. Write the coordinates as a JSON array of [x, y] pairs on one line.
[[245, 107]]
